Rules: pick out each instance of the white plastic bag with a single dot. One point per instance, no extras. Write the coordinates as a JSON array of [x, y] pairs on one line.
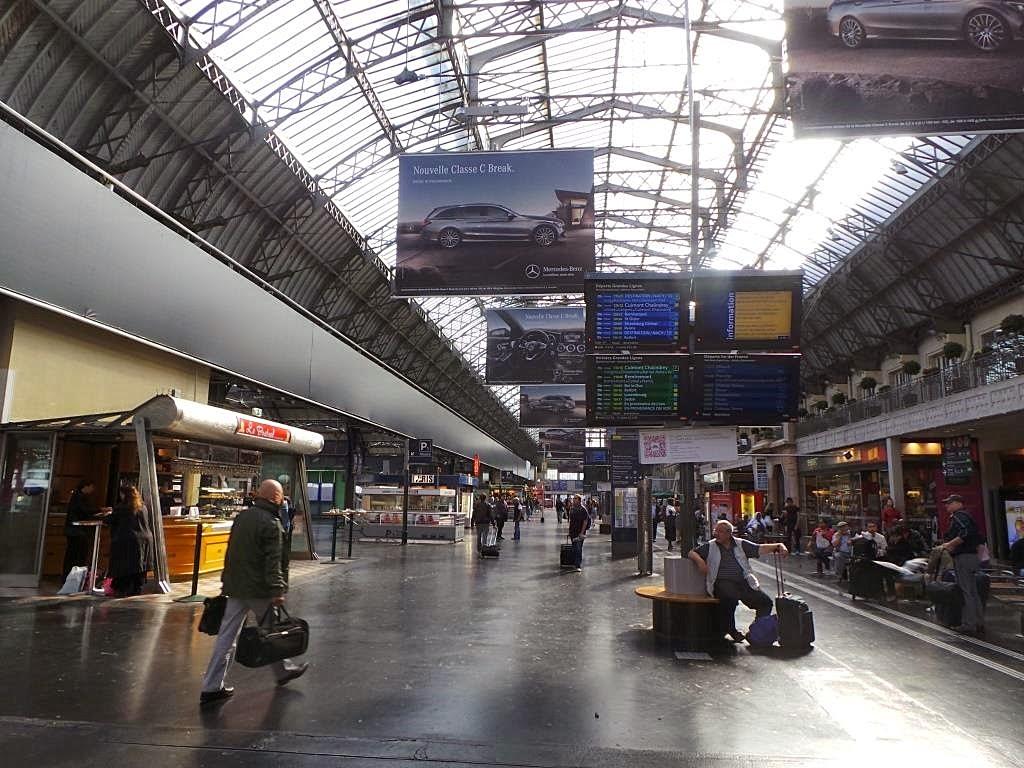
[[75, 581]]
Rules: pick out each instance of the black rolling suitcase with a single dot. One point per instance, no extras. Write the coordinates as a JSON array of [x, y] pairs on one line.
[[490, 547], [865, 579], [796, 620], [566, 557]]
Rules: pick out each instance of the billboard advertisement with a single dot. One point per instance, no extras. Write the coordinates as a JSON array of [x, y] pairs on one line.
[[535, 345], [883, 67], [543, 405], [562, 443], [484, 223]]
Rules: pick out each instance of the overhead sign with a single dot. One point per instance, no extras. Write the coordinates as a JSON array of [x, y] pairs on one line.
[[423, 479], [535, 345], [263, 429], [545, 405], [636, 389], [687, 445], [745, 311], [598, 457], [746, 389], [487, 223], [625, 460], [878, 67], [421, 452], [476, 465]]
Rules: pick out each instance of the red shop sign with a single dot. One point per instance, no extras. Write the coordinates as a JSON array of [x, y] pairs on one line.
[[263, 429], [476, 465]]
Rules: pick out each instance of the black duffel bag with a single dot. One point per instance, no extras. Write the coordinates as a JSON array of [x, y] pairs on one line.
[[213, 614], [278, 636]]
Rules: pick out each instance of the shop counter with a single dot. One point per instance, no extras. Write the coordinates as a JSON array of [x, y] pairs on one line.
[[180, 540]]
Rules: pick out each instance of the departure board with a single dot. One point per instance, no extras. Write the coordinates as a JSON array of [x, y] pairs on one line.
[[636, 390], [745, 389], [638, 313], [745, 311]]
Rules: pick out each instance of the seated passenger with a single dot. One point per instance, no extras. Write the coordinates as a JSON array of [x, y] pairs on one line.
[[723, 561]]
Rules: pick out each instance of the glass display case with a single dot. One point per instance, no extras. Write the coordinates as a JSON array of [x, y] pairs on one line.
[[432, 514]]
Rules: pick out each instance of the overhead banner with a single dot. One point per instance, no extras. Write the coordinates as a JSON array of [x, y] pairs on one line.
[[561, 443], [535, 345], [553, 406], [484, 223], [879, 67], [684, 446]]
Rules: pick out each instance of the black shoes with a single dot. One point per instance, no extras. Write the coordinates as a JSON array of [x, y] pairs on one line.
[[292, 674], [213, 697], [736, 636]]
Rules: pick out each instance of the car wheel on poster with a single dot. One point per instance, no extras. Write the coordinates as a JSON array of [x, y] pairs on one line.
[[986, 31], [545, 236], [449, 238], [852, 33]]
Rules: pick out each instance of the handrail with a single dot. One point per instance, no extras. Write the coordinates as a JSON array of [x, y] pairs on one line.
[[1004, 362]]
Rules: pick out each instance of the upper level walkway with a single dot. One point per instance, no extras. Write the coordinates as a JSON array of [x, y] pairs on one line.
[[427, 654]]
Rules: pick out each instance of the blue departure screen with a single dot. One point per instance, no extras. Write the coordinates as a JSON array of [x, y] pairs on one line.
[[648, 314], [746, 389]]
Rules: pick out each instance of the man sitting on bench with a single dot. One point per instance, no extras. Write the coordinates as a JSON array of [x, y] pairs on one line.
[[723, 561]]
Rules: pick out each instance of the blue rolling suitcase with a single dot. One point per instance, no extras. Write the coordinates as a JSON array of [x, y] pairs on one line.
[[796, 620]]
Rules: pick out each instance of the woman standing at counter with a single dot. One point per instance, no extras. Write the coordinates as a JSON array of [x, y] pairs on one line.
[[131, 543]]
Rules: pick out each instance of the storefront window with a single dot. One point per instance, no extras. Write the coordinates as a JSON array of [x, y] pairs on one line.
[[23, 491]]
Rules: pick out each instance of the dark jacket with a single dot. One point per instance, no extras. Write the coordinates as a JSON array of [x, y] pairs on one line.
[[481, 513], [252, 565], [80, 507], [131, 542]]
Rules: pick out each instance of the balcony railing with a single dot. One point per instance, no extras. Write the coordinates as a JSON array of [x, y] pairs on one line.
[[1002, 363]]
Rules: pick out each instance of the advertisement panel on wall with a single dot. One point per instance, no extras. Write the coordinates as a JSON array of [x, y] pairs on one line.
[[878, 67], [535, 345], [495, 222], [542, 405]]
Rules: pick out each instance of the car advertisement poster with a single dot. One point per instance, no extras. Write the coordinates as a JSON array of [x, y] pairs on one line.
[[553, 406], [924, 67], [484, 223], [562, 443], [536, 345]]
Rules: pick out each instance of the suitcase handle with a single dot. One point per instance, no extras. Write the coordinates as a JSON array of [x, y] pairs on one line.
[[780, 580]]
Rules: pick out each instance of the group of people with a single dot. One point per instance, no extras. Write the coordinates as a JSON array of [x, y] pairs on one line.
[[496, 511]]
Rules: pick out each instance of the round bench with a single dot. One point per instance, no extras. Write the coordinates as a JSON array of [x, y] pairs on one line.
[[687, 621]]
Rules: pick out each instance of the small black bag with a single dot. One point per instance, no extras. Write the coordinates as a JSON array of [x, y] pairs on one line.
[[213, 614], [278, 636]]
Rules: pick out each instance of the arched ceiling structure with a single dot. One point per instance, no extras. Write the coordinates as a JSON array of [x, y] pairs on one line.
[[273, 127]]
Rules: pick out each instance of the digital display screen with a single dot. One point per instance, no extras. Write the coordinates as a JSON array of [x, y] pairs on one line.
[[746, 389], [596, 456], [638, 313], [748, 311], [636, 390]]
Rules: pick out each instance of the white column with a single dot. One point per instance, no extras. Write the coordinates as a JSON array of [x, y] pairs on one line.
[[894, 458]]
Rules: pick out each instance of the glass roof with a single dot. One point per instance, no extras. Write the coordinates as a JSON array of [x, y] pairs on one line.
[[599, 74]]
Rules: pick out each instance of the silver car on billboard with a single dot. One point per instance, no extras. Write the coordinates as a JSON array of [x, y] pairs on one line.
[[986, 25], [451, 225]]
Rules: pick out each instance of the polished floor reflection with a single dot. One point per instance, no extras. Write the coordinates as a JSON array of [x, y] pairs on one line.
[[428, 654]]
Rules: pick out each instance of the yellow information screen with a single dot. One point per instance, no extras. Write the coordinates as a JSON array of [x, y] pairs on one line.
[[763, 315]]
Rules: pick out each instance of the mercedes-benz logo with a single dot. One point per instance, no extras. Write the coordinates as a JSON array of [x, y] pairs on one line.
[[532, 271]]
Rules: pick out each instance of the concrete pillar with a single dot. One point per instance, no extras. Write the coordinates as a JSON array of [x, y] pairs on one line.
[[894, 459], [991, 469]]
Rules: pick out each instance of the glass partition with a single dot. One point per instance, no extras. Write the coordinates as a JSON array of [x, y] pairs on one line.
[[24, 489]]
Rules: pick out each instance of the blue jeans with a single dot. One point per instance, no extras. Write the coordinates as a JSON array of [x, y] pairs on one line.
[[577, 551], [515, 533]]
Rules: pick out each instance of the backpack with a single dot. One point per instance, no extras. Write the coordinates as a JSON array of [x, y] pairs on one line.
[[764, 631]]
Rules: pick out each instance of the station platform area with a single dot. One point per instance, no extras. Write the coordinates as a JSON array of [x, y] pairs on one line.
[[426, 654]]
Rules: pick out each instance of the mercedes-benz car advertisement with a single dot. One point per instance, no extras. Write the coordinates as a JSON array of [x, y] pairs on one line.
[[536, 345], [546, 405], [485, 223], [884, 67]]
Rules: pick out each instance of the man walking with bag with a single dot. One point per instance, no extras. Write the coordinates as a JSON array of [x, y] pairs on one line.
[[962, 540], [579, 524], [252, 582]]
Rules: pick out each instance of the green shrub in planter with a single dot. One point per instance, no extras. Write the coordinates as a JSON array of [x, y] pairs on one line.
[[952, 350], [1012, 325], [911, 367], [820, 406], [868, 384]]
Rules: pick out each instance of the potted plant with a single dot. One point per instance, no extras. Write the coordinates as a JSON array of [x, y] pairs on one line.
[[820, 406], [838, 399], [952, 350], [911, 367], [1013, 327], [868, 384]]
